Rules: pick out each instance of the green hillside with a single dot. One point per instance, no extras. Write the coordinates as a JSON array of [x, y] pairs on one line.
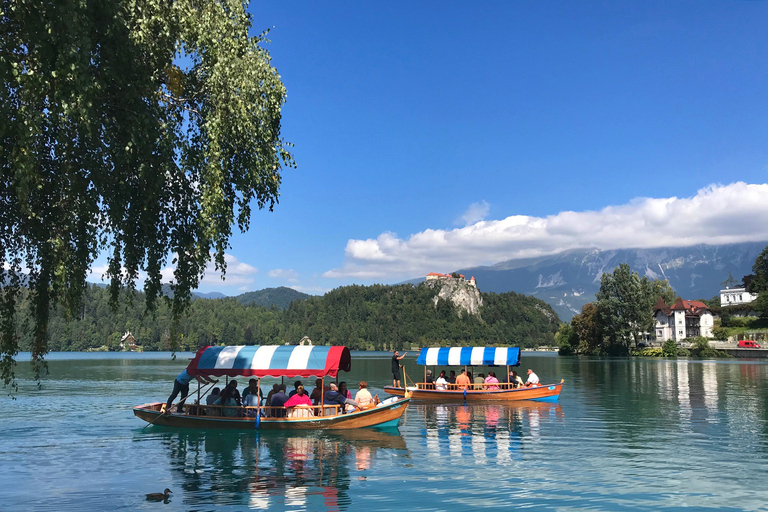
[[279, 297], [361, 317]]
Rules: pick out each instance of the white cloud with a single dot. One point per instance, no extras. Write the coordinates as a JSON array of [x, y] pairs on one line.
[[288, 275], [311, 290], [718, 214], [239, 274], [475, 213]]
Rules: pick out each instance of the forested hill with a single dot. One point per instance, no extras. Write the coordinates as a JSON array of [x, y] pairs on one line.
[[360, 317], [279, 297]]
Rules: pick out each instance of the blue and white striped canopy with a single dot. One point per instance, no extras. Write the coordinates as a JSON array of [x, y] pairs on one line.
[[271, 361], [469, 356]]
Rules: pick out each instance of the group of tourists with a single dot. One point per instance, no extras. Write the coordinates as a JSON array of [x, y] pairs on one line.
[[278, 403], [489, 382]]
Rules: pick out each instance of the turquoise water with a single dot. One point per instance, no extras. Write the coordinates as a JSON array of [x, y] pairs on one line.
[[627, 434]]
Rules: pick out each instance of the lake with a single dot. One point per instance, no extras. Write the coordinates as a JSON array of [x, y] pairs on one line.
[[628, 434]]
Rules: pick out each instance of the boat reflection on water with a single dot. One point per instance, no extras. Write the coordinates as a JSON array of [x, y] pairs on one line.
[[303, 470], [486, 433]]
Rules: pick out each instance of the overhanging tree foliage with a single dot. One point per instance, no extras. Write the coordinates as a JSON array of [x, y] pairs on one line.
[[144, 128]]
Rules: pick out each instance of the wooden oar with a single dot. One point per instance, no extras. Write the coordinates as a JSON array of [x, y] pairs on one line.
[[183, 399], [406, 393]]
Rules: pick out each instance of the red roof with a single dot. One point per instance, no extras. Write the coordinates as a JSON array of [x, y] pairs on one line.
[[689, 306]]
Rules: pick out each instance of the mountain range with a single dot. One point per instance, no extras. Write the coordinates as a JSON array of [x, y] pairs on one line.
[[570, 279]]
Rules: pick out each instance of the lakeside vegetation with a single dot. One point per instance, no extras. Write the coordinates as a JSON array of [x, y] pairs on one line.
[[378, 317], [615, 323]]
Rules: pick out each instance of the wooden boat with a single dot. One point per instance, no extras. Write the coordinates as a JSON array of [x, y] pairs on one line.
[[272, 361], [474, 356]]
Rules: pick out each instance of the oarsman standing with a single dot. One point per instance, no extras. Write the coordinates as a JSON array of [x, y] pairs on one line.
[[396, 368]]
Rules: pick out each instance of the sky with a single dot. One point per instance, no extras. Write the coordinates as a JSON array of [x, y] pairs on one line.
[[432, 136]]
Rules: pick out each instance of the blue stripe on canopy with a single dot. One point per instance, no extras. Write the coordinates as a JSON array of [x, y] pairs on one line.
[[469, 356], [271, 361]]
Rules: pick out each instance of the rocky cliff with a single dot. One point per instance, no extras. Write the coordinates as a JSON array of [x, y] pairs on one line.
[[462, 295]]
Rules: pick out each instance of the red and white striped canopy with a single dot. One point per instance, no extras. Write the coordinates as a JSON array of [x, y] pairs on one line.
[[271, 361]]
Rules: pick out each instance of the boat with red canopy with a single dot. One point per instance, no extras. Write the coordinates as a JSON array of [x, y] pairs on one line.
[[271, 361], [468, 357]]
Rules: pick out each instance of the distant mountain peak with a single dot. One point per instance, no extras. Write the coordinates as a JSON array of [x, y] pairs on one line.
[[569, 279]]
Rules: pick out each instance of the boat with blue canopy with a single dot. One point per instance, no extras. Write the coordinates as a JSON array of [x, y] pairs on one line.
[[271, 361], [469, 357]]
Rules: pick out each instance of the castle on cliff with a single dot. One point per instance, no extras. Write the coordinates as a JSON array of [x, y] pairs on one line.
[[432, 276]]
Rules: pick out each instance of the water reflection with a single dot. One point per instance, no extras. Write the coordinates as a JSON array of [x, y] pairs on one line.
[[711, 400], [484, 434], [306, 471]]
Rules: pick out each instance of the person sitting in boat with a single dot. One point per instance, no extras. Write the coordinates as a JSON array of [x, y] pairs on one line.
[[491, 381], [333, 397], [227, 400], [317, 393], [252, 397], [346, 394], [514, 379], [479, 380], [253, 387], [295, 388], [462, 381], [429, 381], [441, 384], [452, 378], [278, 400], [364, 398], [181, 386], [213, 396], [533, 379], [299, 405], [271, 393]]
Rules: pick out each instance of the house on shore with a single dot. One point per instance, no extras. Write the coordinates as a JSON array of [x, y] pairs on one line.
[[684, 319], [737, 295], [128, 342]]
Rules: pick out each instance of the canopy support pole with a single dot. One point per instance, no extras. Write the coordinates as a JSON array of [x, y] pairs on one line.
[[322, 398], [257, 421]]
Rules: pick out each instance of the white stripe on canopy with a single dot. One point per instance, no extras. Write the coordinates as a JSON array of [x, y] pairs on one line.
[[432, 356], [299, 356], [477, 356], [500, 357], [263, 357], [454, 356], [226, 358]]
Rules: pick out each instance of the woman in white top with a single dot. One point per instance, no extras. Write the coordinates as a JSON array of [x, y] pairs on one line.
[[363, 396], [441, 383]]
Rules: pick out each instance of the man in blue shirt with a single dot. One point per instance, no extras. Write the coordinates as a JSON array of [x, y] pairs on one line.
[[181, 385], [278, 400], [333, 397]]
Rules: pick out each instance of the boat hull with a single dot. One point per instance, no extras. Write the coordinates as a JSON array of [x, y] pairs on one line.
[[545, 393], [385, 416]]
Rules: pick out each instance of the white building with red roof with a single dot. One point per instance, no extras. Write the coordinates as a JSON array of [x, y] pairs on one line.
[[683, 319]]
